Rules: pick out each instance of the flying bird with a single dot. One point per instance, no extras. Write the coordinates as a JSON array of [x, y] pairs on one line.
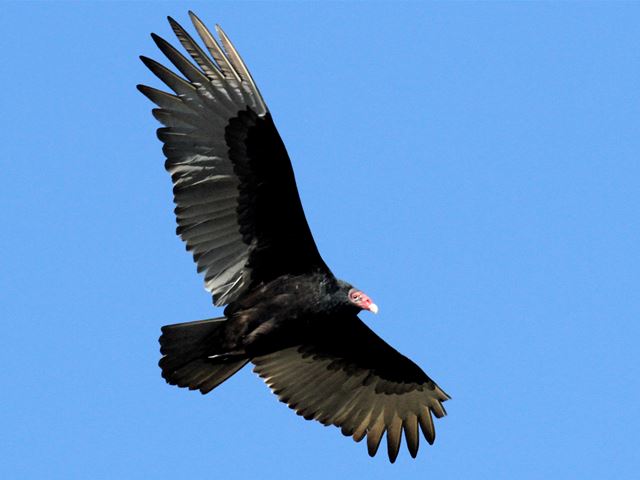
[[239, 212]]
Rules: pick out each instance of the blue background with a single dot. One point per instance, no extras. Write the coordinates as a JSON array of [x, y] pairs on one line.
[[473, 167]]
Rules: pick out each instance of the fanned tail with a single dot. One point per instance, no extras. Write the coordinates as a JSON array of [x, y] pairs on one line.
[[190, 358]]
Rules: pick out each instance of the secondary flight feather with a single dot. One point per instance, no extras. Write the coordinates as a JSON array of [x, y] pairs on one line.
[[239, 212]]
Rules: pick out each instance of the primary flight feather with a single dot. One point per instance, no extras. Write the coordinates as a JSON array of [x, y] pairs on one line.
[[239, 212]]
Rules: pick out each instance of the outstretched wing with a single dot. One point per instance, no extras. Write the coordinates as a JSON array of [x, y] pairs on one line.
[[347, 376], [237, 204]]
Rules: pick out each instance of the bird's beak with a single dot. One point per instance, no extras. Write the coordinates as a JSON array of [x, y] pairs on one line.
[[373, 308]]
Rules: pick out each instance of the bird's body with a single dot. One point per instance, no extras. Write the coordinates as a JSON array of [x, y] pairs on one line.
[[279, 313], [239, 212]]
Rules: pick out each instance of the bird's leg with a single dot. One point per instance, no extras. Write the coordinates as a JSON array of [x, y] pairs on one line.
[[229, 356]]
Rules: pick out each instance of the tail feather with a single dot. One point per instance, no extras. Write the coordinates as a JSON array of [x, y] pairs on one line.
[[182, 337], [204, 375], [188, 348]]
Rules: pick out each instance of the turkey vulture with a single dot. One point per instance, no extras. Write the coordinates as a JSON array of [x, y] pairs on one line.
[[238, 210]]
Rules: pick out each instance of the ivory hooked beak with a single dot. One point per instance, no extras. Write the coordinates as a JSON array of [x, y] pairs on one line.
[[373, 308]]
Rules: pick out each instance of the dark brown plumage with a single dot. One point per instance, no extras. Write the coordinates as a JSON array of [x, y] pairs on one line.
[[238, 210]]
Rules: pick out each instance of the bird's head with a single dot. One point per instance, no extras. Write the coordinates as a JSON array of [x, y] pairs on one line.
[[351, 297], [361, 300]]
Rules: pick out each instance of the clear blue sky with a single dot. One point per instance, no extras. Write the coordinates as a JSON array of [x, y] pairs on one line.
[[475, 168]]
